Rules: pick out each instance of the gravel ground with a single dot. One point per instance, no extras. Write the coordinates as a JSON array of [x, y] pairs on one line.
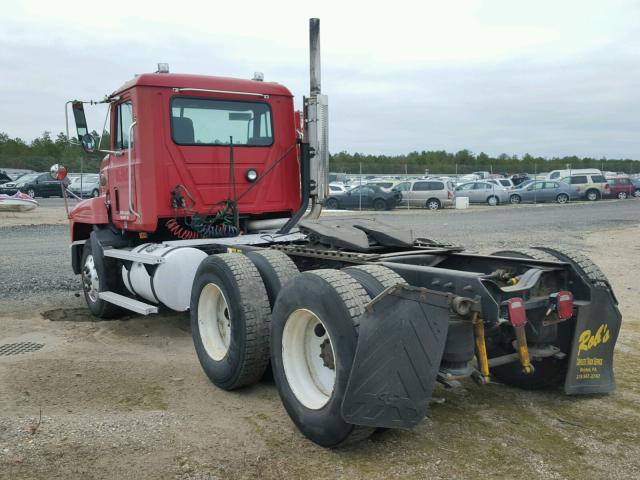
[[128, 399]]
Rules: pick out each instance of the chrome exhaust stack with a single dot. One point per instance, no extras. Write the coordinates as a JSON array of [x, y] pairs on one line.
[[316, 125]]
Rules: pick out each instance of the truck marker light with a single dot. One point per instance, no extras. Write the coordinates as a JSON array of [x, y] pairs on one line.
[[251, 175], [562, 304]]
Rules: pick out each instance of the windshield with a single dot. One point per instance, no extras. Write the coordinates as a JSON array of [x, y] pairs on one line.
[[26, 179], [199, 121]]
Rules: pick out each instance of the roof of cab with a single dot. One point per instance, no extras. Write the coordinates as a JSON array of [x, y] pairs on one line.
[[180, 80]]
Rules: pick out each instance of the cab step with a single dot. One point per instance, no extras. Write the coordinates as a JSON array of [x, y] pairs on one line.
[[128, 303]]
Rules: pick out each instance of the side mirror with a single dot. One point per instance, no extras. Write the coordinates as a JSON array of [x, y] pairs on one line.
[[88, 143], [58, 172], [81, 120]]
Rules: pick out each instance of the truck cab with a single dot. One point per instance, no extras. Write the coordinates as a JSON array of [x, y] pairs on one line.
[[192, 144]]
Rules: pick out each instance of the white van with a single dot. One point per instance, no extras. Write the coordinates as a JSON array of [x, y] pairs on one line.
[[558, 174]]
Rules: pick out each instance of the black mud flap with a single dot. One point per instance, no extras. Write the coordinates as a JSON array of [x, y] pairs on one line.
[[590, 368], [401, 340]]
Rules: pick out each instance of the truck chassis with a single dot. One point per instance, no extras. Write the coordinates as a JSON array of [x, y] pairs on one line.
[[359, 321]]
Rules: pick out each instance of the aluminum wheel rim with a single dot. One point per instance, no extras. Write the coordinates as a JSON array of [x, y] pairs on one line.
[[214, 321], [492, 201], [90, 280], [308, 359], [592, 196], [515, 199], [622, 195], [432, 205], [562, 199]]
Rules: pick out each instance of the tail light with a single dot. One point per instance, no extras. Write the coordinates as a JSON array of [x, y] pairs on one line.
[[606, 186], [516, 313], [561, 303], [449, 194]]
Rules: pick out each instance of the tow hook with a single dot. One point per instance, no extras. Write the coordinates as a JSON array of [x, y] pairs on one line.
[[517, 317]]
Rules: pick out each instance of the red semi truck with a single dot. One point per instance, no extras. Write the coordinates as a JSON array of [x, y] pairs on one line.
[[210, 193]]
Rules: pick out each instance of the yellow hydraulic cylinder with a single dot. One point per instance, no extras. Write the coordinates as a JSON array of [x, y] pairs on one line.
[[481, 347]]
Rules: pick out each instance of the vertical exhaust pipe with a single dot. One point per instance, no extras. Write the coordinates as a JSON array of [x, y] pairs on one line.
[[316, 114]]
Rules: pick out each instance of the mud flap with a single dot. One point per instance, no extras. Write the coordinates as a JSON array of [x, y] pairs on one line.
[[590, 368], [401, 340]]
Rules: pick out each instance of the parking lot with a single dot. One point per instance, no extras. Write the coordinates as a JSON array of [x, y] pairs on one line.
[[128, 399]]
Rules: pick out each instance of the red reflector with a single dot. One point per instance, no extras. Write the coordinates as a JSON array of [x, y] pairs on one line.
[[606, 186], [565, 305], [516, 312]]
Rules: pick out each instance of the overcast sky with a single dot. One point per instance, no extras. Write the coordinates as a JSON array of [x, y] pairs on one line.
[[549, 78]]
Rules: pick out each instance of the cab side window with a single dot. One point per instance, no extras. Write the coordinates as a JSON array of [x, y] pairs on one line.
[[124, 119]]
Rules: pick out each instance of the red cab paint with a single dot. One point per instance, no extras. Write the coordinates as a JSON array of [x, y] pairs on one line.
[[161, 161]]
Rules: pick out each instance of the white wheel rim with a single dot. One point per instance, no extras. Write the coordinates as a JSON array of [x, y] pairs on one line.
[[622, 195], [90, 280], [308, 359], [214, 321], [433, 205]]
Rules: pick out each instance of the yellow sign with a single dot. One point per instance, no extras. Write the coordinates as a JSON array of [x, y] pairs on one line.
[[587, 341]]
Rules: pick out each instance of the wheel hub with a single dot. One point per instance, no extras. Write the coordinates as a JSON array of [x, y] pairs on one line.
[[308, 359], [214, 321]]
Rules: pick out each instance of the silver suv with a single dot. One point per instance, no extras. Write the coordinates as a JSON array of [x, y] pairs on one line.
[[429, 193], [590, 186]]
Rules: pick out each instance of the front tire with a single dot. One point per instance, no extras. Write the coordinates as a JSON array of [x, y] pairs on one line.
[[332, 204], [95, 193], [31, 192], [515, 199], [379, 204], [94, 280], [313, 345], [230, 319]]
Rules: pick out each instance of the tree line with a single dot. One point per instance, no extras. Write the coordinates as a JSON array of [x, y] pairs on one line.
[[46, 150]]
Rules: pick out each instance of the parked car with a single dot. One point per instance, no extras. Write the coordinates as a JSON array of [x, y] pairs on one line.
[[85, 186], [620, 186], [503, 182], [482, 192], [363, 196], [432, 194], [558, 174], [34, 185], [636, 183], [544, 192], [590, 186]]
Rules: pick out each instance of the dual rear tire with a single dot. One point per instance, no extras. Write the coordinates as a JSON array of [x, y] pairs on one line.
[[310, 337]]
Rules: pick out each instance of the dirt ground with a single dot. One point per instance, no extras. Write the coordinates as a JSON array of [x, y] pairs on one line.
[[128, 399]]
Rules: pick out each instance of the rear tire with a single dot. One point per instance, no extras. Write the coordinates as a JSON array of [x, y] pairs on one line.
[[230, 319], [95, 193], [622, 195], [562, 198], [492, 201], [31, 192], [433, 204], [313, 345], [374, 278], [593, 195]]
